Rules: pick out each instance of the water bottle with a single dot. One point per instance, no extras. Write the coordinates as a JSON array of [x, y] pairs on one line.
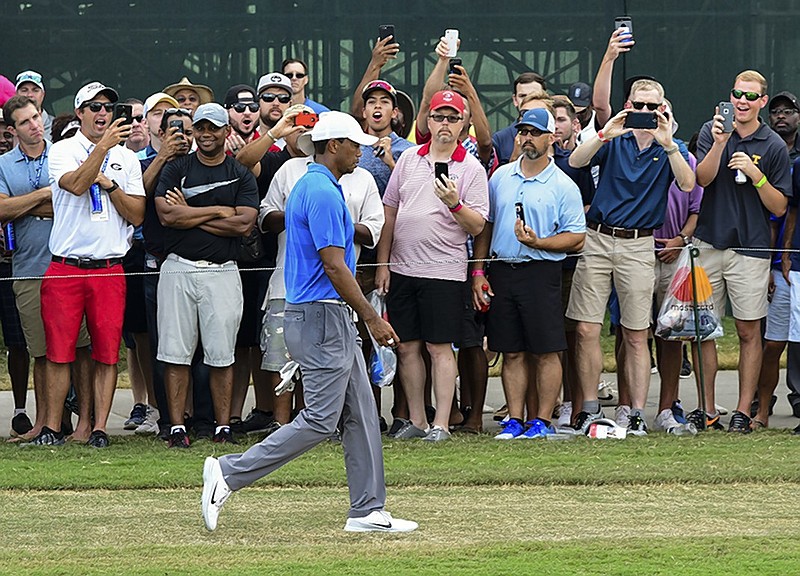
[[11, 237], [485, 298], [740, 178], [687, 429], [94, 196]]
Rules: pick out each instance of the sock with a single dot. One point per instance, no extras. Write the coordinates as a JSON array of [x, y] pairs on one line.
[[637, 412], [219, 429], [520, 421], [180, 428], [546, 422], [711, 416], [591, 406], [18, 411]]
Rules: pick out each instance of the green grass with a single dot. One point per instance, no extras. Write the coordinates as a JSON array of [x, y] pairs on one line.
[[712, 505]]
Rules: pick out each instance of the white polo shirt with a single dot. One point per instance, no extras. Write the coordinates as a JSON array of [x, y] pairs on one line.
[[360, 194], [77, 233]]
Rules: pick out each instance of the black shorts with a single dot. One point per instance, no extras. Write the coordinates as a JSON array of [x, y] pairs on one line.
[[135, 319], [525, 314], [9, 315], [254, 290], [425, 309], [473, 322]]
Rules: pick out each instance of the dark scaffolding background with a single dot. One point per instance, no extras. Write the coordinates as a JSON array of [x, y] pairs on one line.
[[694, 47]]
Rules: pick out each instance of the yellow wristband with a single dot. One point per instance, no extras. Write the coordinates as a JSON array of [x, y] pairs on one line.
[[761, 182]]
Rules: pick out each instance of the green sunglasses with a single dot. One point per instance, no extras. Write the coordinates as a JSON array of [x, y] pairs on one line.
[[749, 96]]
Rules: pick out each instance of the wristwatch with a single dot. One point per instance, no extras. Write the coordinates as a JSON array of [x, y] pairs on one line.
[[685, 238], [114, 186]]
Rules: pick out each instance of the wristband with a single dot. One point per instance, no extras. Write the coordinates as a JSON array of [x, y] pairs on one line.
[[456, 208], [761, 182], [269, 133], [602, 138], [114, 186], [672, 150], [478, 272]]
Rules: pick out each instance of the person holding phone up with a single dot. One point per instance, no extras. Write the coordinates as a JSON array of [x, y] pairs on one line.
[[637, 166], [535, 218]]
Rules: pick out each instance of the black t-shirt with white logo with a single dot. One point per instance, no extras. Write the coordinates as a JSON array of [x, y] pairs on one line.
[[227, 184]]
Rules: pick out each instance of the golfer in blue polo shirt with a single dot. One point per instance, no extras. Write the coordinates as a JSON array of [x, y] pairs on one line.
[[320, 333]]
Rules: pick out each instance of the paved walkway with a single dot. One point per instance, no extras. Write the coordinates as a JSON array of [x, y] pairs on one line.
[[727, 394]]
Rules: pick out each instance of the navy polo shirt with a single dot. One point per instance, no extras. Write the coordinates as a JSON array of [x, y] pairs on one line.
[[503, 141], [316, 217], [633, 186]]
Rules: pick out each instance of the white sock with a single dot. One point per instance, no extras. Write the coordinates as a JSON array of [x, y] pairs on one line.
[[180, 428], [18, 411], [221, 428]]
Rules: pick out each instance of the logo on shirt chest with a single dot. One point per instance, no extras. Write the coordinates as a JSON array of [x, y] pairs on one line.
[[115, 166]]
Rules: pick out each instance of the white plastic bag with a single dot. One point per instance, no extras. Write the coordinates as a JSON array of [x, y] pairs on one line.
[[382, 360], [676, 320]]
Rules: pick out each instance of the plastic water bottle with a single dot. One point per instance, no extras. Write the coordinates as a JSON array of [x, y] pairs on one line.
[[11, 236], [740, 178], [94, 196], [486, 299], [687, 429]]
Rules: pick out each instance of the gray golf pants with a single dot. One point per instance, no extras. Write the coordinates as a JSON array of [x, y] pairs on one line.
[[322, 338]]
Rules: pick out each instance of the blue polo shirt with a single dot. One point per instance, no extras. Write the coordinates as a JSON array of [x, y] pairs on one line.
[[316, 106], [376, 166], [551, 202], [503, 141], [20, 175], [316, 217], [633, 186]]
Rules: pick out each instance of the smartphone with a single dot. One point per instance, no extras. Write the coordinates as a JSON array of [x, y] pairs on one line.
[[520, 212], [176, 124], [386, 30], [642, 120], [624, 22], [451, 35], [726, 111], [440, 169], [453, 63], [307, 119], [123, 111]]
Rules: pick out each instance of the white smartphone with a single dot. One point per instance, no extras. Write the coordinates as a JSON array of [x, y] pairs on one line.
[[451, 35]]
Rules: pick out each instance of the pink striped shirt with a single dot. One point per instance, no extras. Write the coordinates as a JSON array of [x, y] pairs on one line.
[[426, 234]]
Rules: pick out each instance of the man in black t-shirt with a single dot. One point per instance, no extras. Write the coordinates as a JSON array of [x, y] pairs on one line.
[[207, 201]]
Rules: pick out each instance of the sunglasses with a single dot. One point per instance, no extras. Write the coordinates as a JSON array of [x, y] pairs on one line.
[[282, 98], [242, 106], [450, 119], [783, 112], [749, 96], [7, 135], [181, 111], [652, 106], [534, 132], [295, 74], [97, 106], [138, 118]]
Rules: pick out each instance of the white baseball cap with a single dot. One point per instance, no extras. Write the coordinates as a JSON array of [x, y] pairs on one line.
[[332, 125], [92, 90], [274, 79]]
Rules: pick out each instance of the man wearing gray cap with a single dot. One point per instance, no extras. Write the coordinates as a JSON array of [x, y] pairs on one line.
[[320, 334], [275, 96], [207, 201]]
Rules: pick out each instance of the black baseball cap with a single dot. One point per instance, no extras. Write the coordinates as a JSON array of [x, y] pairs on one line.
[[239, 93], [784, 96]]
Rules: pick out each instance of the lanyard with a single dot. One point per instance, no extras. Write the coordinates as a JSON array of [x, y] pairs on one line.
[[105, 162], [35, 181]]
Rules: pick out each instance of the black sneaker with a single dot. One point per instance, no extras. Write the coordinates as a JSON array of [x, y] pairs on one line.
[[257, 421], [236, 425], [224, 436], [704, 422], [21, 424], [796, 431], [383, 425], [636, 425], [46, 437], [137, 418], [178, 439], [397, 423], [796, 410], [686, 368], [583, 419], [98, 439], [740, 422]]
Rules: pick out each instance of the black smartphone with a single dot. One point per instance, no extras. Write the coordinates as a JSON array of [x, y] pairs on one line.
[[726, 111], [123, 111], [641, 120], [453, 63], [176, 124], [624, 22], [518, 208], [386, 30], [440, 169]]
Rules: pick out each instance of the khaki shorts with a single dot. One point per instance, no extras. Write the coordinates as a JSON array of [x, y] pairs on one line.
[[29, 305], [664, 273], [743, 279], [631, 262]]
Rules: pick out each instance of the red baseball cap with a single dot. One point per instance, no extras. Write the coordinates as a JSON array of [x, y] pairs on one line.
[[447, 99]]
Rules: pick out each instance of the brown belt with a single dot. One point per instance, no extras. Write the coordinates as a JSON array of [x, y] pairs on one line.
[[619, 232]]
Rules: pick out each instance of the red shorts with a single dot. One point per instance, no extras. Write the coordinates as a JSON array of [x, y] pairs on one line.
[[65, 301]]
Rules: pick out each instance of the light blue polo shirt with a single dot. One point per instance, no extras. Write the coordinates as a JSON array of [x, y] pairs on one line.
[[316, 217], [551, 202], [20, 175]]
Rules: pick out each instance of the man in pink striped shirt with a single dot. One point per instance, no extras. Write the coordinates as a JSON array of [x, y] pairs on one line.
[[427, 223]]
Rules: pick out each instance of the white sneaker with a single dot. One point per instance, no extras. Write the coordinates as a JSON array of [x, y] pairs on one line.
[[215, 492], [150, 425], [379, 521], [565, 415], [621, 414], [287, 378]]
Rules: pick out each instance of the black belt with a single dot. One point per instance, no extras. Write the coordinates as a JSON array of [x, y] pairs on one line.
[[88, 262], [619, 232]]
